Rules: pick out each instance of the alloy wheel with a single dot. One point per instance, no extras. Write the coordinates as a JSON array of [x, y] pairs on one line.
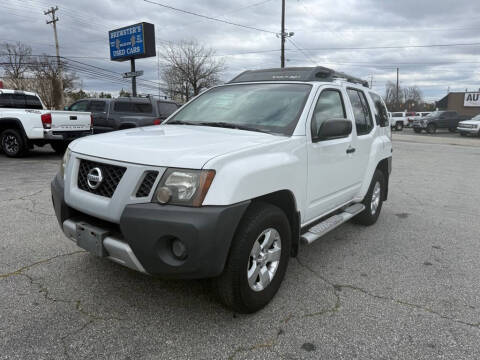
[[264, 259]]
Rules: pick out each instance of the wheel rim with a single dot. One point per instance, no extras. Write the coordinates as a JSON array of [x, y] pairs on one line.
[[375, 198], [264, 259], [11, 144]]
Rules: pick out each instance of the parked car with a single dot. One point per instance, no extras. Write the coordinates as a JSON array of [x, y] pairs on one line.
[[469, 127], [25, 122], [411, 116], [231, 183], [126, 112], [438, 120], [399, 120]]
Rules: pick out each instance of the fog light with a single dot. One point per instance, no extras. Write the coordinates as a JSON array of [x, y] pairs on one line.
[[164, 195], [179, 249]]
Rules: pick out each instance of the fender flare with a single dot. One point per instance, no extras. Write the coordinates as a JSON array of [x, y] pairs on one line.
[[18, 125]]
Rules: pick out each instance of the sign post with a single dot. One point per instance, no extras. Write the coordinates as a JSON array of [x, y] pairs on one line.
[[132, 42]]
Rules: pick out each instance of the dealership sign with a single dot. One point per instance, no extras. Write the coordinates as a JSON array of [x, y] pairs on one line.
[[472, 99], [132, 42]]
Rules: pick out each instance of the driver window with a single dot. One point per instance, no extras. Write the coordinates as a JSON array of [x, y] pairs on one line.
[[329, 106]]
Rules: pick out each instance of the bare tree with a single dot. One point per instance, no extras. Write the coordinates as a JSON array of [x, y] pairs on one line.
[[15, 60], [391, 97], [47, 80], [190, 68], [413, 98]]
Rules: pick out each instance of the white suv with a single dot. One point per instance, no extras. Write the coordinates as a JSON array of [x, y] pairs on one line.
[[231, 183]]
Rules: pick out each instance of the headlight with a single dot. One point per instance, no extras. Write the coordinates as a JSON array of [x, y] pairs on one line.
[[183, 187], [65, 160]]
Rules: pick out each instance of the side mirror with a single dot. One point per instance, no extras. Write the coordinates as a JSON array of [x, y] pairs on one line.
[[66, 108], [334, 129]]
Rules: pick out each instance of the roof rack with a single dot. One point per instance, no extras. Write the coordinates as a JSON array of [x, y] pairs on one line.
[[318, 73]]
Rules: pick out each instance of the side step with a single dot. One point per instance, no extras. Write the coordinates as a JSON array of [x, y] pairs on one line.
[[317, 231]]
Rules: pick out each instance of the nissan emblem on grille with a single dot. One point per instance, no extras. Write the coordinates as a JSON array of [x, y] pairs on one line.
[[94, 178]]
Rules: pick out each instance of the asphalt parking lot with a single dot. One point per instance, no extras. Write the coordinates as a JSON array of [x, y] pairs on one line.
[[405, 288]]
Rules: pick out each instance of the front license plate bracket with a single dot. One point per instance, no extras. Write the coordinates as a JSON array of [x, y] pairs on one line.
[[90, 238]]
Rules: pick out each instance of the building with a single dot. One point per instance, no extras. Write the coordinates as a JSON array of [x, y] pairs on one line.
[[465, 103]]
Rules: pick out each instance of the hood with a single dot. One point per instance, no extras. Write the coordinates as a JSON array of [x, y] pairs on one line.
[[183, 146]]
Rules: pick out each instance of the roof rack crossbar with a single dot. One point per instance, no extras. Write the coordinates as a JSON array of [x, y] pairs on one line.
[[318, 73]]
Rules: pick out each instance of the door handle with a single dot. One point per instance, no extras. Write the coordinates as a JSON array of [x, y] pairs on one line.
[[350, 150]]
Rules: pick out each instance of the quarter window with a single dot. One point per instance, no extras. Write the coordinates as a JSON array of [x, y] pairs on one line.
[[361, 111], [381, 114], [329, 106]]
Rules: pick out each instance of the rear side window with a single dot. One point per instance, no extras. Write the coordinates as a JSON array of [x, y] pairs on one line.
[[397, 115], [133, 107], [166, 109], [18, 101], [381, 113], [361, 111], [329, 106], [5, 101], [96, 105], [33, 102]]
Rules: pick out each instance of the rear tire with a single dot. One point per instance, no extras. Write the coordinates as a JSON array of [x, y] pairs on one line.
[[257, 261], [373, 200], [399, 126], [431, 129], [417, 130], [463, 134], [452, 130], [13, 143]]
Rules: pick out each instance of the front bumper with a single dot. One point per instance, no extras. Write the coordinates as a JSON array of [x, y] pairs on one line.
[[142, 240], [472, 131], [65, 135]]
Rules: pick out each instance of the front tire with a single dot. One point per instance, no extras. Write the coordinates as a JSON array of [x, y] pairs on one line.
[[452, 130], [431, 129], [417, 130], [257, 261], [373, 200], [12, 143]]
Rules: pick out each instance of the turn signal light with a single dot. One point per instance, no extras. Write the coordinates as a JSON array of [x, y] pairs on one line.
[[157, 121], [47, 121]]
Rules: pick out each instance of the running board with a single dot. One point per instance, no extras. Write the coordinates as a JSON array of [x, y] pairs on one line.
[[317, 231]]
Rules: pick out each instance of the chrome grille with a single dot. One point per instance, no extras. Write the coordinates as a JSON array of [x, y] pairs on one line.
[[112, 175]]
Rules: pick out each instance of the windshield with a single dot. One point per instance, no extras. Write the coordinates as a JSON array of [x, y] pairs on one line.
[[435, 113], [272, 108], [476, 118]]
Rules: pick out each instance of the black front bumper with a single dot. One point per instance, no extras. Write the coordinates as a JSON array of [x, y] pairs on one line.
[[149, 229]]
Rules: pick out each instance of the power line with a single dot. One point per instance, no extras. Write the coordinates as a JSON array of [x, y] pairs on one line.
[[302, 51], [209, 17], [391, 47]]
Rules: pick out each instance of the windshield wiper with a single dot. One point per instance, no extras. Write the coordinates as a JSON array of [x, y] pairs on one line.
[[180, 122], [231, 126]]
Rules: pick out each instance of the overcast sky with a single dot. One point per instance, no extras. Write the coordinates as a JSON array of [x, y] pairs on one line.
[[326, 29]]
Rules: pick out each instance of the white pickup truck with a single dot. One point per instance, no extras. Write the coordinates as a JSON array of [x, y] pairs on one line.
[[24, 122], [231, 183]]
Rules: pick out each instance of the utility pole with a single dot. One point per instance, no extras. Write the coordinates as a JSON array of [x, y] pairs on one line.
[[282, 37], [398, 102], [134, 78], [54, 20], [371, 81]]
